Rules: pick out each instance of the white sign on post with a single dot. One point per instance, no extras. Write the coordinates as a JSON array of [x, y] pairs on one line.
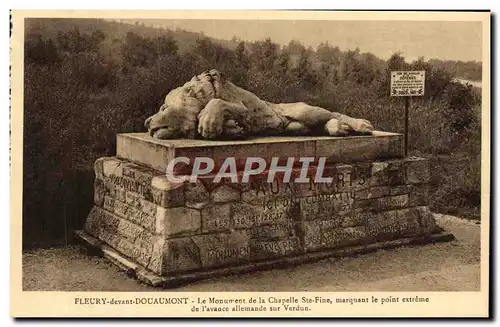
[[407, 83]]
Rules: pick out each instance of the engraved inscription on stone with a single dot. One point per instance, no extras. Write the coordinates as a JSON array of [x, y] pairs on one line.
[[137, 202], [129, 184], [181, 254], [343, 179], [226, 255], [115, 192], [128, 212], [274, 248], [223, 248], [260, 188], [124, 236], [118, 186], [246, 215], [390, 202], [343, 236], [138, 173], [395, 223], [326, 206], [216, 217], [400, 189], [280, 230], [378, 191], [118, 225], [191, 227], [258, 191]]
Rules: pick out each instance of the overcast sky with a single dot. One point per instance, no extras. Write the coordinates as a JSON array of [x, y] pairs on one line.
[[442, 40]]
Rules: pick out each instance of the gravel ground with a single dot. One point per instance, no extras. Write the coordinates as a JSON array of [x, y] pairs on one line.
[[451, 266]]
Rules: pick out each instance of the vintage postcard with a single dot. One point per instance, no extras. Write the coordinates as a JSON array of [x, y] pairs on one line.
[[250, 164]]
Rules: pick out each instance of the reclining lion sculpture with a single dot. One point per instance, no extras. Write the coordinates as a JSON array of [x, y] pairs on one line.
[[210, 106]]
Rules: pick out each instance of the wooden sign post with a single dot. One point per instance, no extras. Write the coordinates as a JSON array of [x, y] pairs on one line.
[[407, 84]]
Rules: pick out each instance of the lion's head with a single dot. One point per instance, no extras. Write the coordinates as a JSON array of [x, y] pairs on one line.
[[171, 123], [178, 114]]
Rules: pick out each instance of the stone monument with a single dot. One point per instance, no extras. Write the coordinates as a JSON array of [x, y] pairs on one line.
[[165, 233]]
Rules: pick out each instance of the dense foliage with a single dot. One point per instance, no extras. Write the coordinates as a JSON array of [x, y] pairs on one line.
[[84, 85]]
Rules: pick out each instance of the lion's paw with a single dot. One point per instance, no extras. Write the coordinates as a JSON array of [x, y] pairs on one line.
[[210, 123], [232, 129], [362, 126], [335, 127]]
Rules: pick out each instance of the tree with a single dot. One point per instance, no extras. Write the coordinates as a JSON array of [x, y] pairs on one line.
[[328, 54], [349, 65], [295, 48], [95, 40], [41, 52], [241, 55], [217, 56], [263, 54], [460, 101], [75, 42], [283, 63], [303, 72], [206, 49], [138, 51], [397, 62], [166, 46]]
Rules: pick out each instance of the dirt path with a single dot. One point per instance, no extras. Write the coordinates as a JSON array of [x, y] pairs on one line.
[[452, 266]]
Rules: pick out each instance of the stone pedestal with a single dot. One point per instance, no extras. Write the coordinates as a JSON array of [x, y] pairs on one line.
[[165, 232]]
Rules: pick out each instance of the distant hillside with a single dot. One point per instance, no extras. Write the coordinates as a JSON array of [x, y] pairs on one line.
[[466, 70], [49, 28], [477, 84], [115, 31]]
